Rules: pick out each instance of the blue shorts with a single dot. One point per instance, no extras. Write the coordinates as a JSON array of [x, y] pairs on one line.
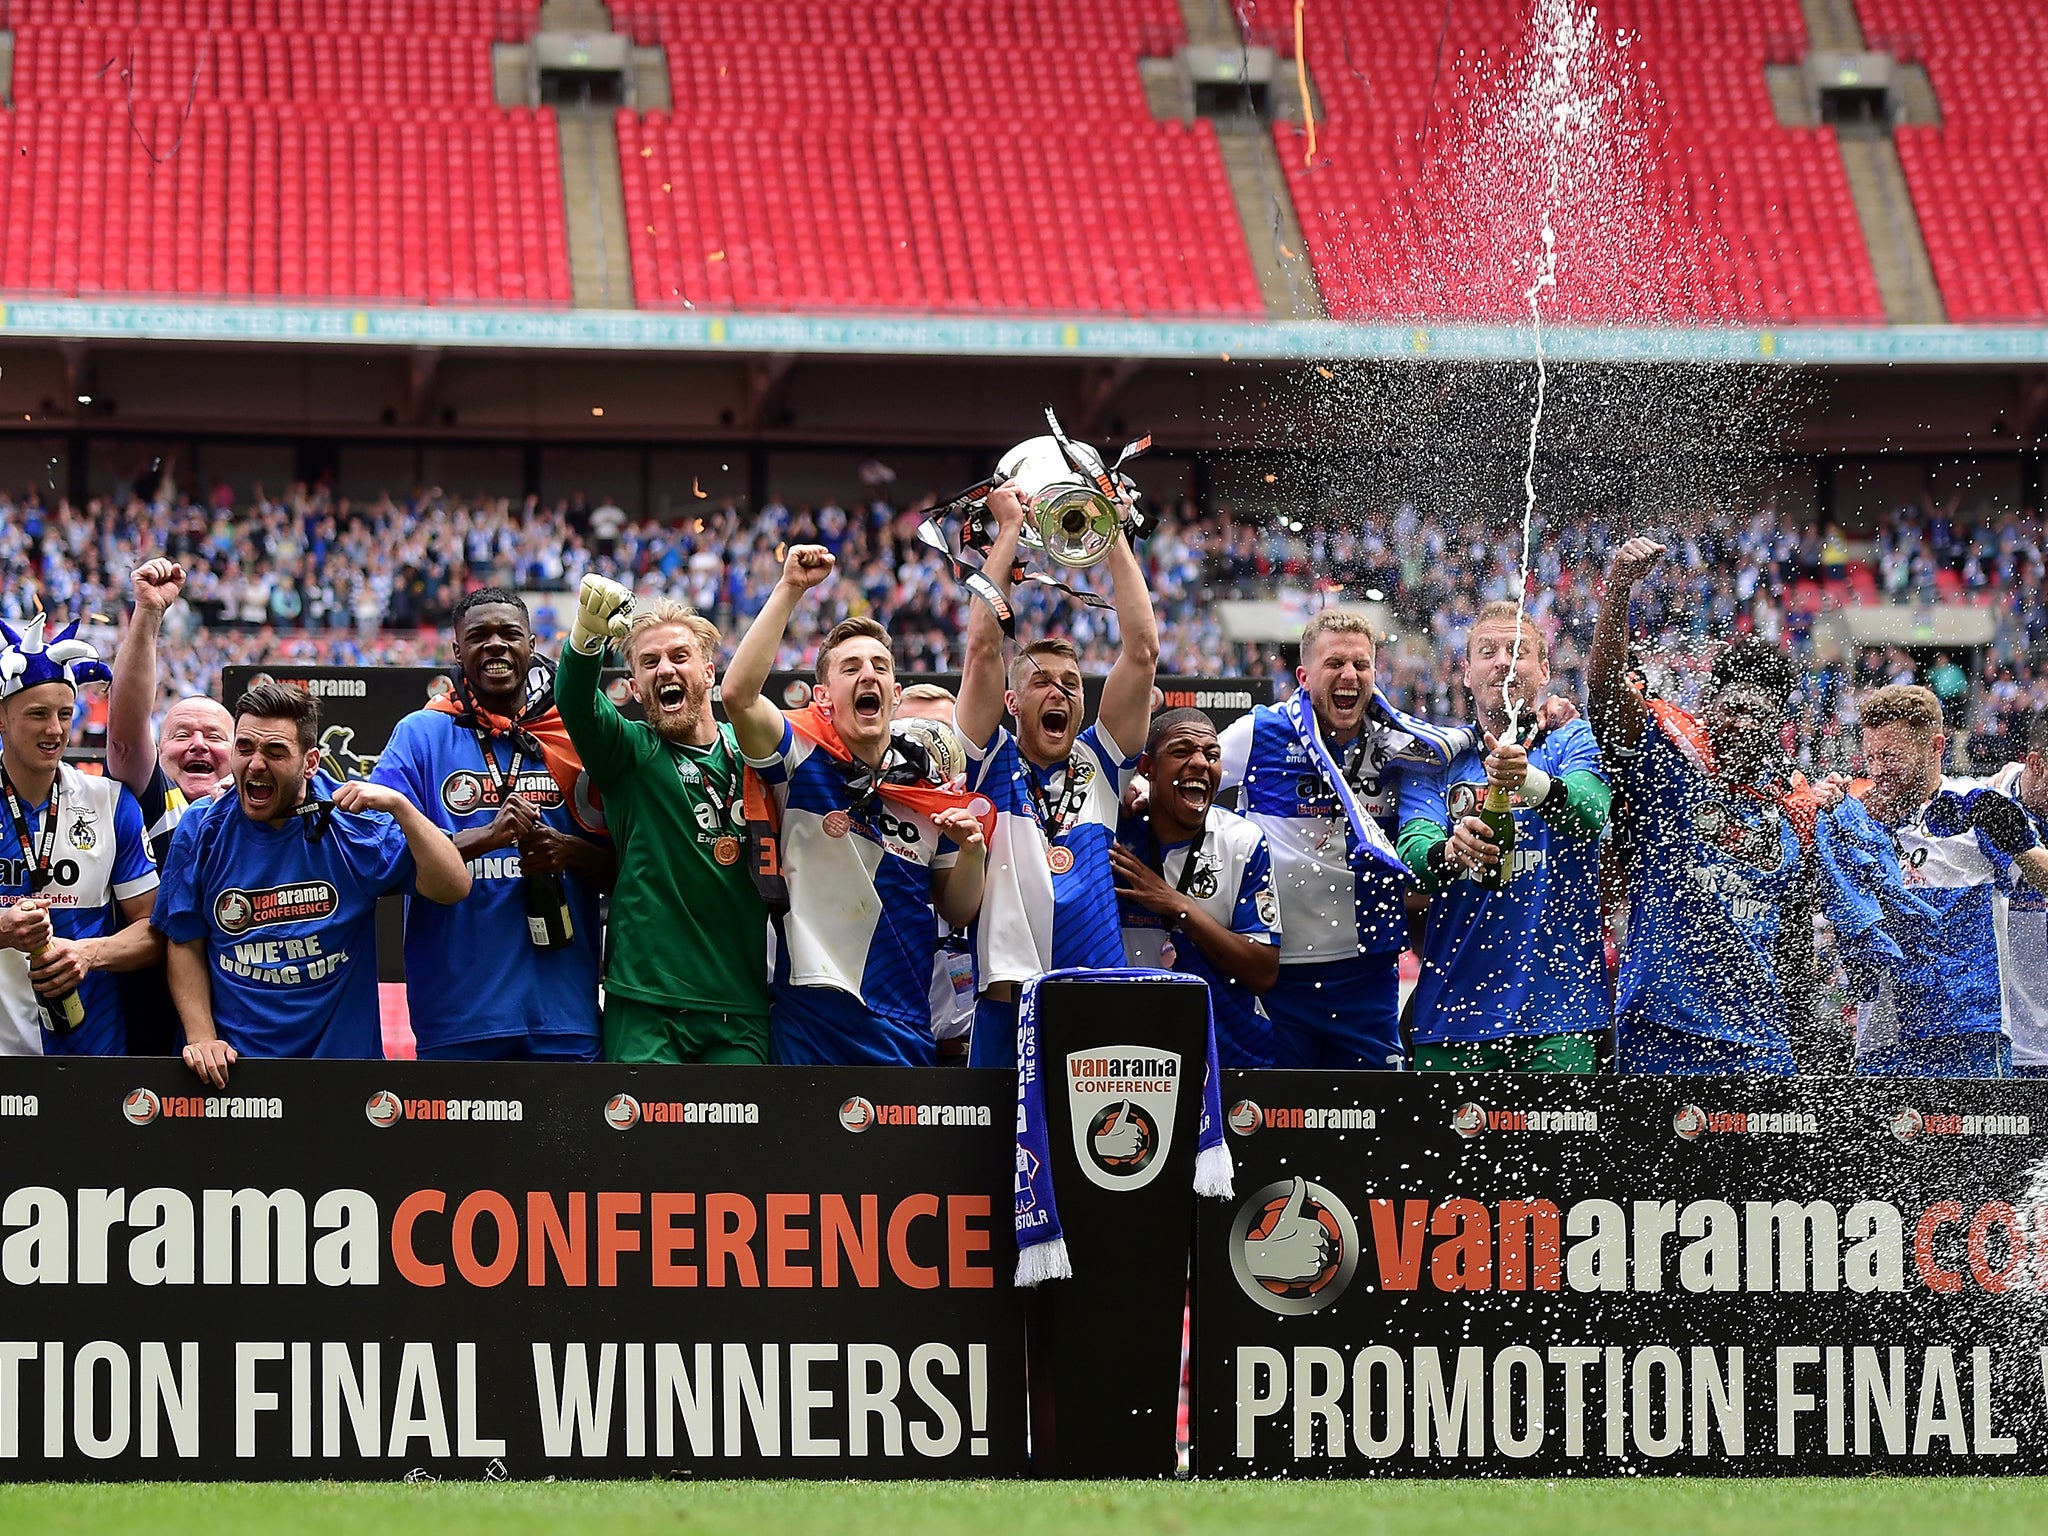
[[825, 1027], [2025, 1069], [994, 1041], [1340, 1015], [1650, 1050], [1986, 1053], [514, 1048]]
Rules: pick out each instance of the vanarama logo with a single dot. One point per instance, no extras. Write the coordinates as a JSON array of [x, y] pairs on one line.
[[386, 1109], [1120, 1106], [24, 1105], [1692, 1122], [858, 1114], [1246, 1117], [194, 1106], [1293, 1247], [1909, 1124], [237, 911], [1470, 1120], [622, 1112], [466, 790]]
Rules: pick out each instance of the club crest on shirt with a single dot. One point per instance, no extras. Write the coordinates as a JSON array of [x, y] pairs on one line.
[[1267, 901], [82, 834], [1202, 884]]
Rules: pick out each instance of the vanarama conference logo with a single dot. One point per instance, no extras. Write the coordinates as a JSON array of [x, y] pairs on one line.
[[1692, 1122], [1120, 1107], [385, 1109], [237, 911], [1472, 1120], [622, 1112], [1246, 1117], [1293, 1247], [858, 1114], [1909, 1124], [140, 1106]]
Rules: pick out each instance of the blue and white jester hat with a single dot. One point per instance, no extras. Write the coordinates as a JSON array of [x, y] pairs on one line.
[[26, 659]]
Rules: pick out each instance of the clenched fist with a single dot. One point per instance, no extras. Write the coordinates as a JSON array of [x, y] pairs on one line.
[[602, 606]]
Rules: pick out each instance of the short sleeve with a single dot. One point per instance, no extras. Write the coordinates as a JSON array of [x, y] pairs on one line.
[[377, 853], [1236, 742], [135, 872], [1423, 796], [1578, 752], [399, 765], [1257, 915], [179, 914], [782, 762], [1109, 750]]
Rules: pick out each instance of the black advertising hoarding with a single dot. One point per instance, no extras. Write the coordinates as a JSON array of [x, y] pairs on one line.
[[1541, 1276], [360, 1270]]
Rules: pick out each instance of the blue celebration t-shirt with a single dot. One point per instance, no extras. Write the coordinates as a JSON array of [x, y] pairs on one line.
[[436, 762], [289, 915], [1527, 959]]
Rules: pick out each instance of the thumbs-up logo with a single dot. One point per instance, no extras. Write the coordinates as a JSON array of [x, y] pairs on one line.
[[1293, 1247], [1123, 1139]]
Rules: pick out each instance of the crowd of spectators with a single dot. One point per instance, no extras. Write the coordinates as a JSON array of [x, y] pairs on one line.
[[309, 577]]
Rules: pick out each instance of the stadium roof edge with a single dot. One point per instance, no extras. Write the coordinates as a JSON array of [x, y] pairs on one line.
[[1047, 337]]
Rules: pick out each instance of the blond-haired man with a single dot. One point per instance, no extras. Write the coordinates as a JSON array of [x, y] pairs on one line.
[[686, 971]]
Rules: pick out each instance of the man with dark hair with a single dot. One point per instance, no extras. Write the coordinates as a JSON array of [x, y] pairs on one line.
[[686, 968], [270, 904], [491, 764], [1964, 845], [1717, 972], [1197, 886], [873, 854], [1058, 789]]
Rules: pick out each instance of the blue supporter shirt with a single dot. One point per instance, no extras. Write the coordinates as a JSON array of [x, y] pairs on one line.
[[289, 922], [437, 763], [1050, 904], [100, 858], [1952, 989], [1528, 959], [1710, 870], [1232, 883], [853, 955]]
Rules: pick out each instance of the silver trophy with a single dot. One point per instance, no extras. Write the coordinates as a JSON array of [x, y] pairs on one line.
[[1075, 503]]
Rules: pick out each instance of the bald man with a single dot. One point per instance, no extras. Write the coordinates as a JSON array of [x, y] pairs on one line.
[[168, 774]]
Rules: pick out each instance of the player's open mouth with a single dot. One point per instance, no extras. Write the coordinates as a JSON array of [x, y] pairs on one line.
[[258, 793], [498, 671], [867, 704], [1054, 721], [1194, 793], [671, 695], [1344, 698]]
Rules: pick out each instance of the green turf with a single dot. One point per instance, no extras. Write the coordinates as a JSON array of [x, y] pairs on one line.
[[1701, 1507]]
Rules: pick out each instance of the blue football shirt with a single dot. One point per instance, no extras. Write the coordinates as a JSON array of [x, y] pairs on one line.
[[437, 763], [289, 921], [1527, 959]]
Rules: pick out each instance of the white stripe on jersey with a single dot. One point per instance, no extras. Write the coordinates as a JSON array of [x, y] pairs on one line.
[[2021, 916]]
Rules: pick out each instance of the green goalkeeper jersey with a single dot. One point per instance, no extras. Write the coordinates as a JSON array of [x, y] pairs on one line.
[[688, 929]]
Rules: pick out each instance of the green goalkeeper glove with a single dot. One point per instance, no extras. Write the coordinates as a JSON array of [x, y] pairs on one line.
[[602, 610]]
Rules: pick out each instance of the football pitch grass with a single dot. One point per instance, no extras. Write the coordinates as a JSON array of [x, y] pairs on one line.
[[1873, 1506]]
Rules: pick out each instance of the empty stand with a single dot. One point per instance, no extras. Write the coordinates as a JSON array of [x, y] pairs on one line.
[[1715, 215], [959, 155], [327, 150], [1980, 181]]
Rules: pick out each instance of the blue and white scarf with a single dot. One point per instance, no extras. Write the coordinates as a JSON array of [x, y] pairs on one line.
[[1424, 744], [1041, 1247]]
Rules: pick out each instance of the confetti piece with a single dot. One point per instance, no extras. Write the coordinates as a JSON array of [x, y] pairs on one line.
[[667, 187], [647, 152], [716, 256], [699, 492], [1326, 373], [597, 410]]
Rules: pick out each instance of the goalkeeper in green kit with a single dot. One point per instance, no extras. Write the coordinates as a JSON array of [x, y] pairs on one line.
[[686, 968]]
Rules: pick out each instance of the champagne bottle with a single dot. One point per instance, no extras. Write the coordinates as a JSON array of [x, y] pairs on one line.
[[548, 922], [60, 1014], [1497, 811]]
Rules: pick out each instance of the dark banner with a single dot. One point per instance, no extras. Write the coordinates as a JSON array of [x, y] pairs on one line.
[[1539, 1276], [366, 1270]]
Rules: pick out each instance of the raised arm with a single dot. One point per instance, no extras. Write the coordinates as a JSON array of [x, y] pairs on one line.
[[131, 697], [593, 724], [1126, 710], [982, 679], [757, 723], [1618, 713]]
